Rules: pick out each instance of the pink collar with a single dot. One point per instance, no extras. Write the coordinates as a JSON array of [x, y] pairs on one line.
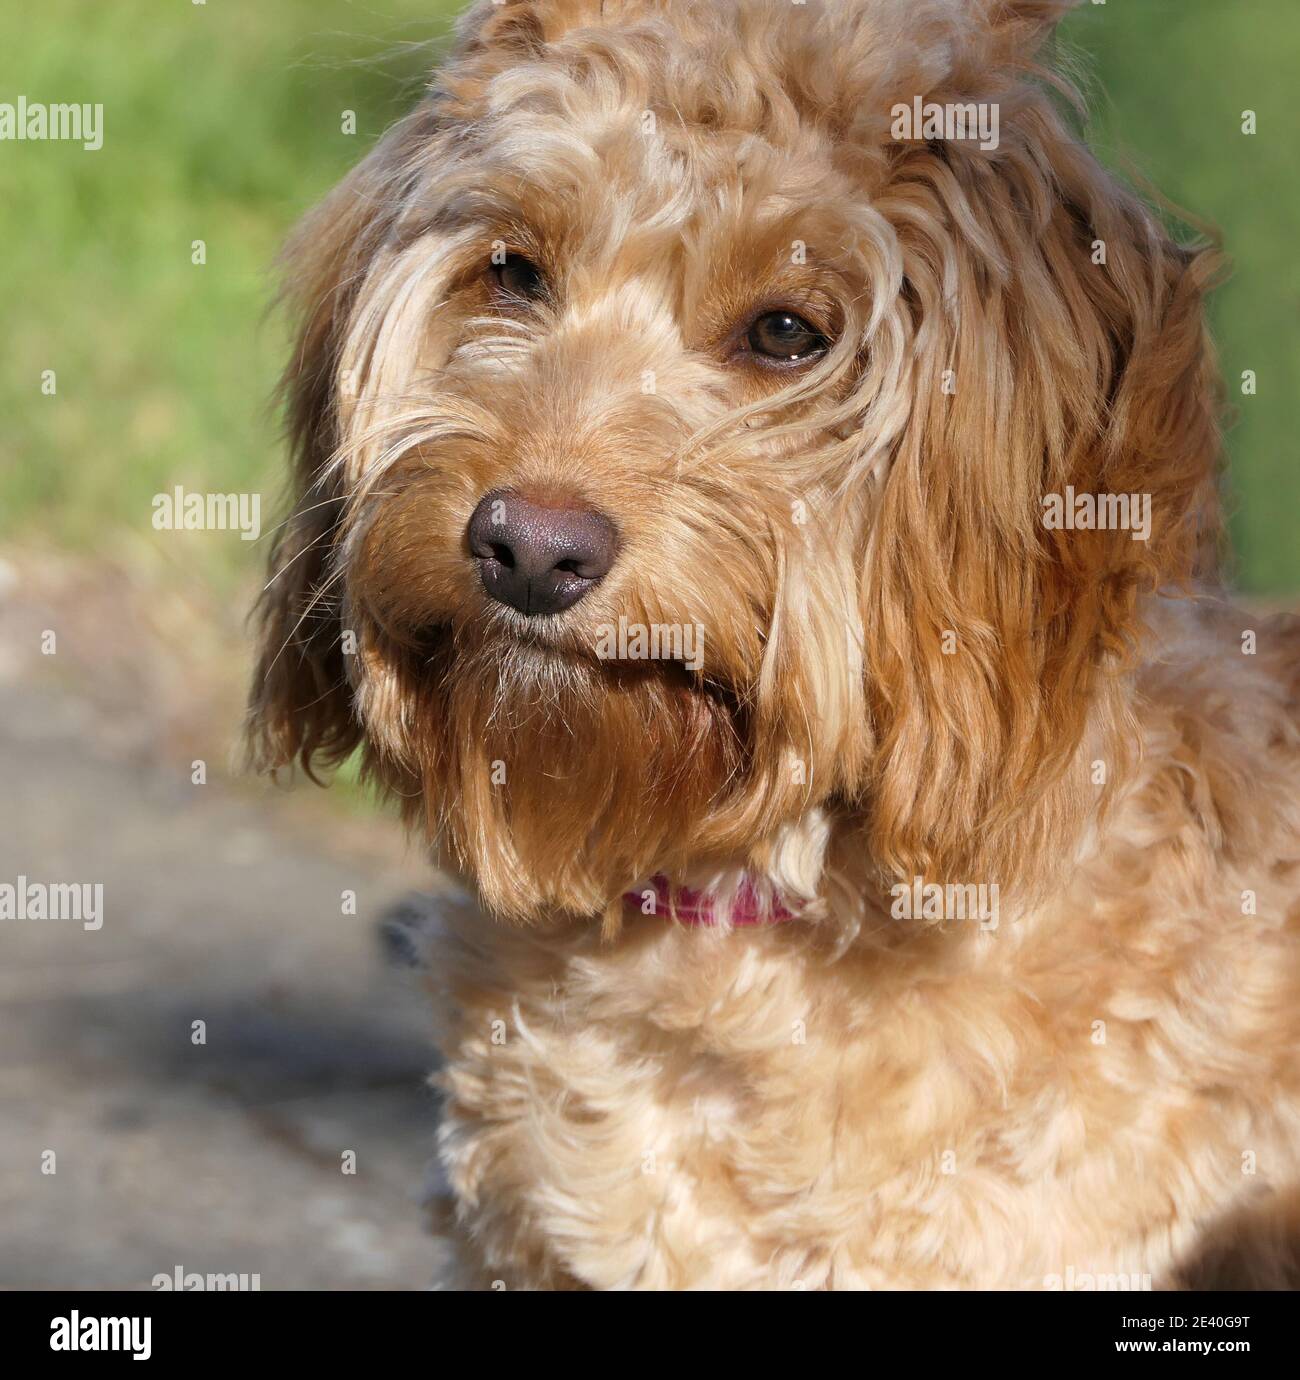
[[695, 908]]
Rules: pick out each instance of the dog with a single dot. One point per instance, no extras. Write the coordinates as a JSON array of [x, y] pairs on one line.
[[756, 509]]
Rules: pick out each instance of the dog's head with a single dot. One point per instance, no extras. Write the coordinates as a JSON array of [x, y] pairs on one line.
[[677, 394]]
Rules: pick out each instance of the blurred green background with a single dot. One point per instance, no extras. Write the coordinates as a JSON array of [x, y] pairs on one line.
[[223, 123]]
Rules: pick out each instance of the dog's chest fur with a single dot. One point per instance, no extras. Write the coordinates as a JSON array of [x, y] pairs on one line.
[[680, 1115], [1071, 1098]]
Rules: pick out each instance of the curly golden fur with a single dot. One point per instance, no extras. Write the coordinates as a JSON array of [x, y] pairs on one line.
[[907, 673]]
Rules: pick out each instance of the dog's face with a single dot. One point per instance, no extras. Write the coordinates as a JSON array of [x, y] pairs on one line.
[[672, 436]]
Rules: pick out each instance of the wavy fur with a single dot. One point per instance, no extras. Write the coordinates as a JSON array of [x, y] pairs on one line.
[[907, 674]]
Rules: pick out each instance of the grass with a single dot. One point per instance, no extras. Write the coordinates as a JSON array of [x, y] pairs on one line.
[[1177, 75], [223, 122]]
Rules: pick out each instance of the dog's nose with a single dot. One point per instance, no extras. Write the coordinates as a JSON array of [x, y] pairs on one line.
[[537, 558]]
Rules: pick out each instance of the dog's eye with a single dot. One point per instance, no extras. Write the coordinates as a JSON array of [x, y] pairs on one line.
[[785, 337], [519, 278]]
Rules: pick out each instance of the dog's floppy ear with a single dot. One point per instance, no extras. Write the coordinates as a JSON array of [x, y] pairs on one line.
[[300, 705], [1058, 345]]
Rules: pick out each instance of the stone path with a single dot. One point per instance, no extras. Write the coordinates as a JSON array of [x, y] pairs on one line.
[[222, 904]]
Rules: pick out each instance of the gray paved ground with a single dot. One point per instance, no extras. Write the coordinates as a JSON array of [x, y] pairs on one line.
[[220, 906]]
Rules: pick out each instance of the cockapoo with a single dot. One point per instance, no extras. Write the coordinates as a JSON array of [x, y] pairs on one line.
[[756, 510]]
